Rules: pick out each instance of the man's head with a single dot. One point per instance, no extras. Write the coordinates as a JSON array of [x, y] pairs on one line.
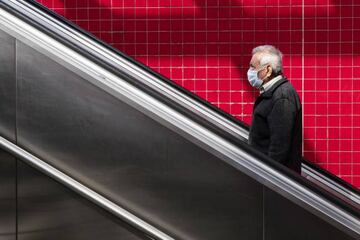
[[265, 64]]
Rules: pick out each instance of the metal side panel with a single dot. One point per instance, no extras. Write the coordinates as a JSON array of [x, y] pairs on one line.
[[47, 210], [285, 220], [130, 158], [7, 86], [7, 129], [7, 196]]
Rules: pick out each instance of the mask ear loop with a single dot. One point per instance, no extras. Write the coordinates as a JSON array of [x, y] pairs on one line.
[[270, 73], [262, 68]]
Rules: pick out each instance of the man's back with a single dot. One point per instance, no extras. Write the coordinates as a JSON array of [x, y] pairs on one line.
[[276, 128]]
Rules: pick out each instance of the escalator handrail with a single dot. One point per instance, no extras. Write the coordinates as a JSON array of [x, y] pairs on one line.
[[234, 128], [333, 182], [329, 179], [115, 60], [241, 156], [83, 190]]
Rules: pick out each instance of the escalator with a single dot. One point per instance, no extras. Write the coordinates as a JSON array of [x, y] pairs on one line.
[[157, 161]]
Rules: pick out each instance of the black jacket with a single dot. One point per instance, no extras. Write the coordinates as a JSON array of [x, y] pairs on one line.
[[276, 128]]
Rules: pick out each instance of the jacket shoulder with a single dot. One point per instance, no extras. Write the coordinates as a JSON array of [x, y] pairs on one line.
[[285, 90]]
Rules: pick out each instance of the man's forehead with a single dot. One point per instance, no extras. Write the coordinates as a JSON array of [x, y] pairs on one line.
[[255, 59]]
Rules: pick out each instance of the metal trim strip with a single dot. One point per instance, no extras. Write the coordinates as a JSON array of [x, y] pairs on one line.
[[82, 190]]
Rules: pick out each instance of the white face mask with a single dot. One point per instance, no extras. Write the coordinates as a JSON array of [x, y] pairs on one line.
[[253, 78]]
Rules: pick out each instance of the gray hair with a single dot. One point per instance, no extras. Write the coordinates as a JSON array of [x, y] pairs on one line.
[[272, 56]]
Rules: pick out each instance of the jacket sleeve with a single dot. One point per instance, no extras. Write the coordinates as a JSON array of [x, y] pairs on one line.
[[281, 122]]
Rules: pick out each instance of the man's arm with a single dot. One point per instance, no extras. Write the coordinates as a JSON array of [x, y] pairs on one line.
[[281, 122]]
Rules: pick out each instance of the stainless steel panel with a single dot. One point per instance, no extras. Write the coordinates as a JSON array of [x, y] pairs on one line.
[[285, 220], [7, 129], [7, 86], [7, 197], [79, 188], [47, 210], [130, 158]]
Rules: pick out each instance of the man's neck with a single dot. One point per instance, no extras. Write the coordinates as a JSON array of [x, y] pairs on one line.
[[267, 85]]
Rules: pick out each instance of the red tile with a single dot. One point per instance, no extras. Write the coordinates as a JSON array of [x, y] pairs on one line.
[[334, 85], [236, 97], [212, 73], [309, 132], [346, 121], [309, 121], [224, 97], [213, 97], [334, 133], [309, 96], [334, 109], [334, 168], [321, 145], [345, 145], [309, 108], [321, 156], [224, 85], [345, 169], [236, 109], [356, 181], [334, 146], [321, 133], [212, 85], [356, 169], [321, 121], [246, 119], [200, 85], [334, 156]]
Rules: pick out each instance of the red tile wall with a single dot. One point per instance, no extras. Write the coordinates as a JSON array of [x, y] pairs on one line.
[[205, 46]]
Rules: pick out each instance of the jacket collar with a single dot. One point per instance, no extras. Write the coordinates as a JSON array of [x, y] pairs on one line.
[[269, 92]]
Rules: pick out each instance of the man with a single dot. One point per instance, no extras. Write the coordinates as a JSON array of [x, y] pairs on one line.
[[276, 128]]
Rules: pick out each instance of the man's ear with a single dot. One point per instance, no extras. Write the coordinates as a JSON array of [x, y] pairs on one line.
[[269, 71]]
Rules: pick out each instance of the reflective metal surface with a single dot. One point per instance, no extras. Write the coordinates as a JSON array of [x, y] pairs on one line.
[[47, 210], [7, 86], [285, 220], [132, 69], [81, 189], [329, 184], [130, 158], [7, 129], [7, 197]]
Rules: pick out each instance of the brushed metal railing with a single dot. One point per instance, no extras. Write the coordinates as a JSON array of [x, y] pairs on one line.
[[84, 191]]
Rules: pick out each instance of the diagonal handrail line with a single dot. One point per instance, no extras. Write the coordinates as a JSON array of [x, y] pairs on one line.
[[84, 191], [157, 83]]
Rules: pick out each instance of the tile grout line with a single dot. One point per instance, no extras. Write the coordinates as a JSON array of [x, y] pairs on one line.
[[302, 71]]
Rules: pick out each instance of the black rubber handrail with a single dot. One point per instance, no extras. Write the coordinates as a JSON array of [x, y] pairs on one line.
[[322, 171], [132, 60], [102, 62], [331, 176]]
